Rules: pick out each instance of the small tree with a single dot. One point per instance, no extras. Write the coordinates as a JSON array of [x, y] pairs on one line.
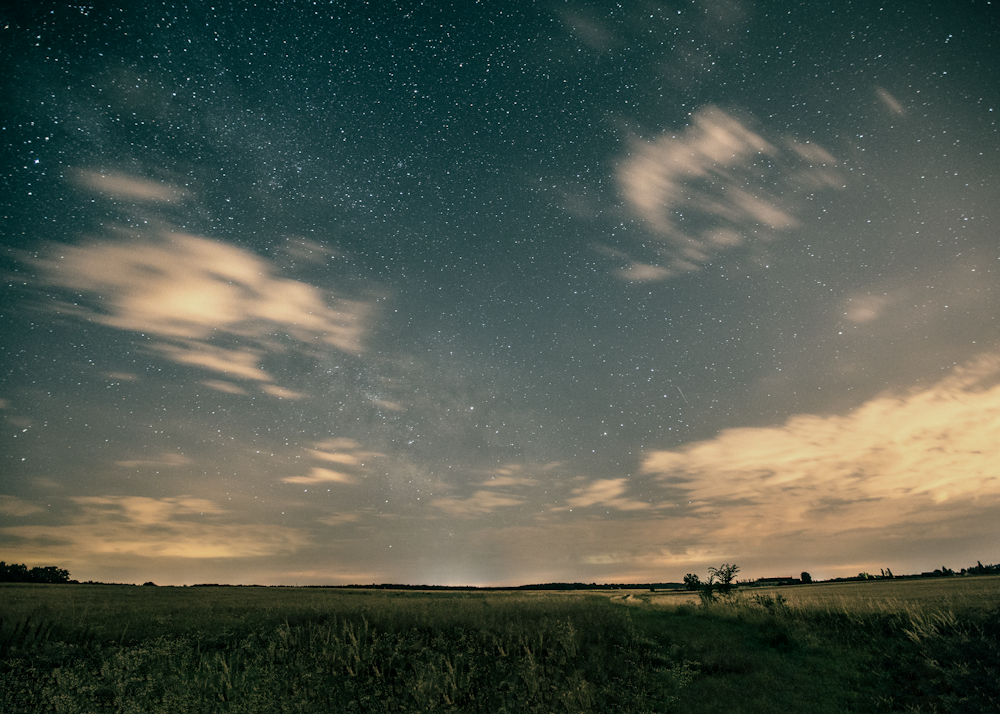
[[692, 582], [723, 576], [720, 582], [806, 577]]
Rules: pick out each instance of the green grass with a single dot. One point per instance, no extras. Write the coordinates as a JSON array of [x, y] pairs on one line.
[[900, 648], [265, 650]]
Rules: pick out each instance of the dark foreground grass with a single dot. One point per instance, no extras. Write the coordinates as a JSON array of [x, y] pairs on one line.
[[107, 649], [755, 653], [336, 652]]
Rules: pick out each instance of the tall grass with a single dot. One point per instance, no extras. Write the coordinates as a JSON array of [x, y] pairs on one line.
[[342, 652], [762, 652], [107, 649]]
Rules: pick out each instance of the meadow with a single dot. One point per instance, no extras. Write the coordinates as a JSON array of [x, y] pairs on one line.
[[884, 646]]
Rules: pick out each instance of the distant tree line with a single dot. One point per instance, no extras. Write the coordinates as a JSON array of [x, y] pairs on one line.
[[980, 569], [19, 573]]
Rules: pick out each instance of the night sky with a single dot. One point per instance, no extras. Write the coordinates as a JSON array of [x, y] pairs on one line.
[[499, 293]]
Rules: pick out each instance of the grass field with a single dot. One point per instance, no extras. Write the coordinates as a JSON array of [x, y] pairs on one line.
[[883, 646]]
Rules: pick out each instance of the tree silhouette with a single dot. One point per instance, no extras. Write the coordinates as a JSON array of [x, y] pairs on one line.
[[19, 573], [723, 576]]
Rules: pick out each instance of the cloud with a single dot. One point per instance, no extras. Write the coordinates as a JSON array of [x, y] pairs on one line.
[[321, 475], [503, 480], [711, 187], [281, 392], [220, 386], [17, 507], [165, 460], [193, 293], [123, 186], [337, 519], [185, 286], [931, 456], [607, 493], [890, 102], [861, 307], [180, 527], [352, 462], [589, 31], [641, 272], [148, 511], [480, 503], [238, 364]]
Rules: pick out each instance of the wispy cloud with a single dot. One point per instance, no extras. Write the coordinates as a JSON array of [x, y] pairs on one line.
[[184, 286], [711, 187], [193, 293], [893, 462], [221, 386], [180, 527], [607, 493], [479, 503], [164, 460], [890, 102], [18, 507], [282, 393], [122, 186], [352, 463]]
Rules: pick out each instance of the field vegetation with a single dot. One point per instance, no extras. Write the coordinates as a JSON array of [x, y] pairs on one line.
[[884, 646]]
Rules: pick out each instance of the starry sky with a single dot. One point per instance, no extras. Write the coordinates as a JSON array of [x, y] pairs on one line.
[[496, 293]]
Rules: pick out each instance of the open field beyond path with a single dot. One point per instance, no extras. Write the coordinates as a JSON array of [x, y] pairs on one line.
[[884, 646]]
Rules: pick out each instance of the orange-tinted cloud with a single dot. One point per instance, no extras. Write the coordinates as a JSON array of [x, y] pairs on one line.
[[179, 527], [352, 463], [321, 475], [191, 292], [479, 503], [185, 286], [607, 493], [931, 456], [121, 186], [221, 386], [282, 393]]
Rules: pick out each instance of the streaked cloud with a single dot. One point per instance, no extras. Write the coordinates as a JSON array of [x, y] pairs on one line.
[[164, 460], [179, 285], [896, 461], [712, 187], [236, 364], [319, 475], [17, 507], [607, 493], [281, 392], [122, 186], [390, 405], [221, 386], [479, 503], [890, 102], [352, 463], [863, 308], [339, 519], [178, 527], [193, 293]]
